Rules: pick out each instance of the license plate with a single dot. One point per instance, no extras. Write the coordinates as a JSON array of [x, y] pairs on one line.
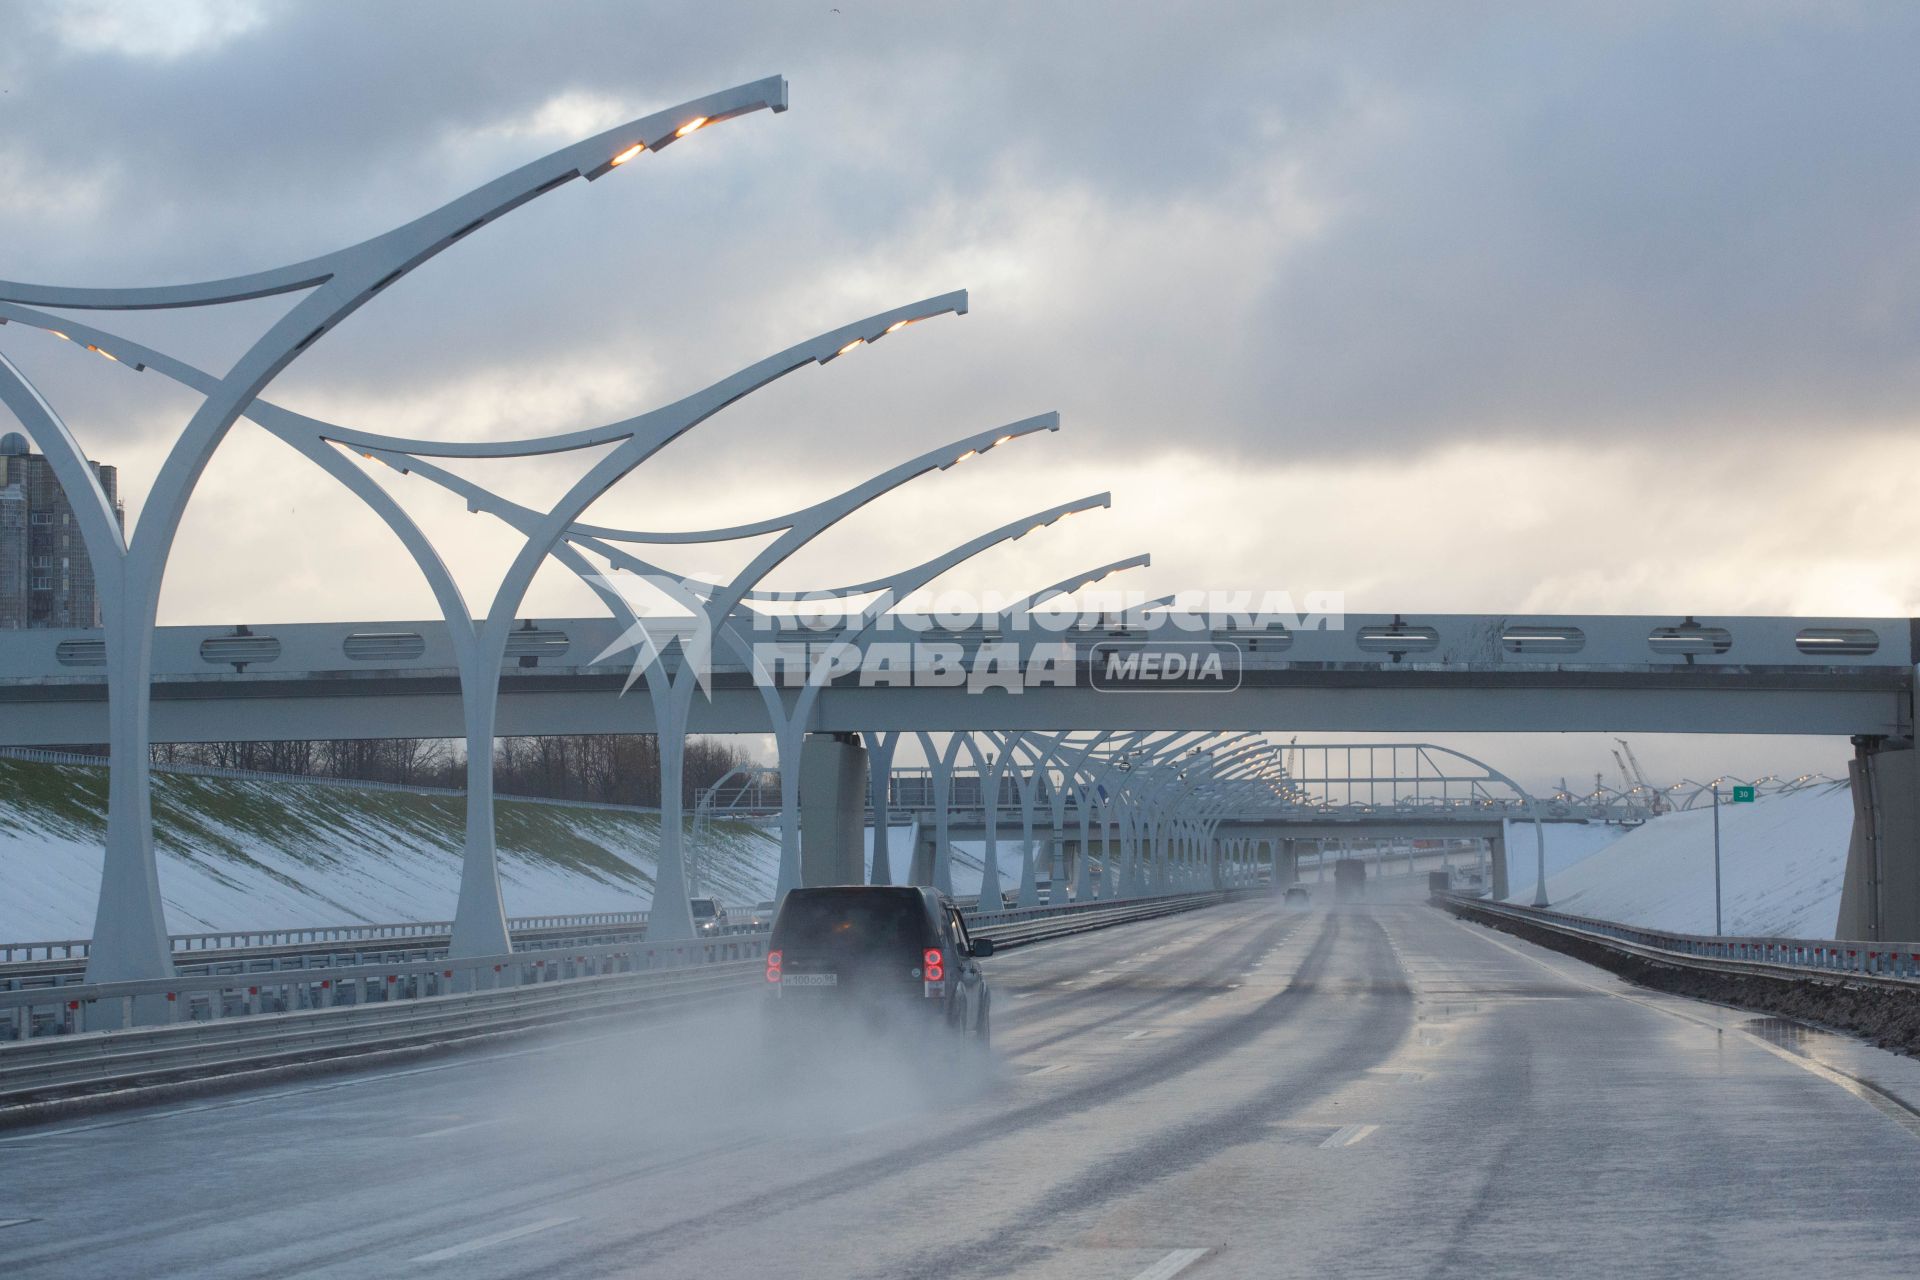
[[810, 980]]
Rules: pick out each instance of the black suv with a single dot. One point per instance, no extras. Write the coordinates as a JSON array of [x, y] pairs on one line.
[[882, 951]]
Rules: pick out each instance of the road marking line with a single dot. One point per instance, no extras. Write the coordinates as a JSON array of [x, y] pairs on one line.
[[460, 1128], [1053, 1069], [1172, 1265], [1136, 1035], [1348, 1134], [487, 1242], [1880, 1100]]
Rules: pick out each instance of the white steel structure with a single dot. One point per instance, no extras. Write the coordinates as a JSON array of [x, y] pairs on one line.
[[130, 939], [130, 936]]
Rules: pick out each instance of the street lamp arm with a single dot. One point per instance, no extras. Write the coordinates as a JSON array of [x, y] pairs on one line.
[[670, 420], [934, 459], [433, 231], [1065, 586]]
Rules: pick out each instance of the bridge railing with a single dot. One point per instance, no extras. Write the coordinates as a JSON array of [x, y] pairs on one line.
[[1899, 960], [411, 930], [110, 1006]]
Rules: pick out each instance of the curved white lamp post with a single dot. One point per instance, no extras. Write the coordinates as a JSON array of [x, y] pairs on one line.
[[130, 937], [480, 647]]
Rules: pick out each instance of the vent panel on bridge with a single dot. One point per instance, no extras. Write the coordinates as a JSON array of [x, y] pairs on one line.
[[1690, 639], [1856, 642], [1399, 637], [239, 651], [1543, 639], [530, 644], [1271, 638], [81, 653], [384, 646]]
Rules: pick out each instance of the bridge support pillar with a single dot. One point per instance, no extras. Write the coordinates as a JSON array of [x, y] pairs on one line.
[[924, 846], [880, 783], [1880, 898], [1497, 851], [833, 809]]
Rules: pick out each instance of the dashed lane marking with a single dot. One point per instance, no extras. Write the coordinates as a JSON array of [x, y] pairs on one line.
[[1172, 1265], [460, 1128], [1347, 1135], [487, 1242]]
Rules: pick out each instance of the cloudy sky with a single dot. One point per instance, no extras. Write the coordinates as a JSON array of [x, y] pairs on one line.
[[1474, 308]]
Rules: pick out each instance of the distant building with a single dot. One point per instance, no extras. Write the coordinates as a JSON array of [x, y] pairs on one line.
[[46, 579]]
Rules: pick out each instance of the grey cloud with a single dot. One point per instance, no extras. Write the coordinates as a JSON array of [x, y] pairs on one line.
[[1533, 220]]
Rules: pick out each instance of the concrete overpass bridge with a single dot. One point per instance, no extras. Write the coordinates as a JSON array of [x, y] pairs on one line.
[[1355, 674], [1477, 673]]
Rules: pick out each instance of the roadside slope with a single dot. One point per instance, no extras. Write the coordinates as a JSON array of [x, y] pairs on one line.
[[254, 854], [1782, 863]]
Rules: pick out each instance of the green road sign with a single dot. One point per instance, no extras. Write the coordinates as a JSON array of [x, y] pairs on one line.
[[1743, 795]]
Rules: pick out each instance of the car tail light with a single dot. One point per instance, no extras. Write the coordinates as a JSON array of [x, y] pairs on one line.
[[773, 966], [935, 965]]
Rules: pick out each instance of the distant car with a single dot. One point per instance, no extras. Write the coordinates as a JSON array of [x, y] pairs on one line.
[[887, 954], [709, 916], [1297, 895], [761, 917]]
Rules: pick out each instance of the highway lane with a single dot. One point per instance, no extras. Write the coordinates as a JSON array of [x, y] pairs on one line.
[[1244, 1091]]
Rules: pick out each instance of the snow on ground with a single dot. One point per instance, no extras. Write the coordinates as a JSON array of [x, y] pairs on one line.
[[1782, 863], [239, 854], [1567, 844], [252, 855]]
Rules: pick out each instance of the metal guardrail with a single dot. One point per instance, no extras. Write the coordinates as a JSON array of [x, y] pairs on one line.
[[409, 931], [1894, 961], [1032, 924], [210, 1048], [109, 1006], [81, 1040]]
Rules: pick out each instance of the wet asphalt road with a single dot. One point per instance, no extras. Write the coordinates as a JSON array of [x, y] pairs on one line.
[[1240, 1092]]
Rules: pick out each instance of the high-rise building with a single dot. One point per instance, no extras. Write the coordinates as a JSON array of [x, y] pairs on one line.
[[46, 578]]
